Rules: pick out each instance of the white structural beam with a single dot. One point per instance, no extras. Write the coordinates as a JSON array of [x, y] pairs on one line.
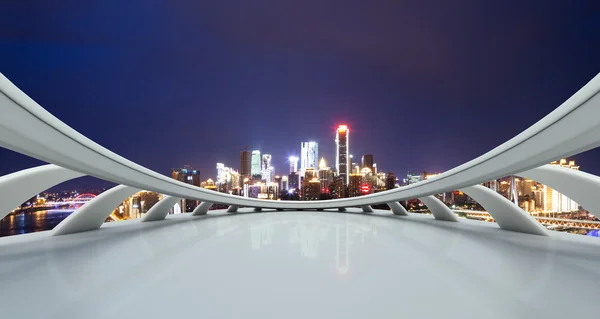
[[366, 209], [572, 128], [507, 215], [582, 187], [202, 209], [92, 215], [232, 209], [20, 186], [439, 210], [397, 209], [161, 209]]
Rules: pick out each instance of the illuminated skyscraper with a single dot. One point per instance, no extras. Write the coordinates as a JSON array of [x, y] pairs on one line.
[[221, 174], [255, 169], [309, 156], [269, 175], [325, 176], [265, 165], [293, 164], [245, 160], [367, 161], [342, 142]]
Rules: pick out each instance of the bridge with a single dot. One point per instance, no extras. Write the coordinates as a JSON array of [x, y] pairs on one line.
[[149, 265]]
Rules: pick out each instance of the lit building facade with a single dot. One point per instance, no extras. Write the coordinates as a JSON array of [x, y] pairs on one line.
[[245, 163], [342, 143], [354, 185], [311, 189], [293, 164], [284, 183], [228, 179], [555, 201], [265, 164], [367, 161], [269, 175], [188, 176], [390, 181], [309, 174], [325, 176], [293, 181], [412, 178], [309, 156], [255, 165]]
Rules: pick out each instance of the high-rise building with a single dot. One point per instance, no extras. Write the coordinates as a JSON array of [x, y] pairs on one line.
[[186, 175], [255, 165], [293, 164], [342, 141], [311, 189], [221, 174], [265, 165], [284, 182], [309, 156], [325, 176], [278, 180], [355, 181], [367, 161], [269, 175], [293, 181], [245, 163], [189, 176], [353, 168], [390, 182]]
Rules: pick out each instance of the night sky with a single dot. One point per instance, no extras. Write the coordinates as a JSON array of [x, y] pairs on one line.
[[423, 85]]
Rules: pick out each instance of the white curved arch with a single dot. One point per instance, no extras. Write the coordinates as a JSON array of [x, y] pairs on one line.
[[572, 128], [366, 209], [582, 187], [20, 186], [397, 209], [439, 210], [507, 215], [202, 209], [92, 215], [161, 209]]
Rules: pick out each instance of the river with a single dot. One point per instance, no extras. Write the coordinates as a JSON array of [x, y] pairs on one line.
[[32, 222]]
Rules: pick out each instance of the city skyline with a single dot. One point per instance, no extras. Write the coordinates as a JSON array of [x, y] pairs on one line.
[[415, 90]]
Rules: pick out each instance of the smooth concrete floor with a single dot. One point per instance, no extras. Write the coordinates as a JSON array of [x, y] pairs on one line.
[[303, 264]]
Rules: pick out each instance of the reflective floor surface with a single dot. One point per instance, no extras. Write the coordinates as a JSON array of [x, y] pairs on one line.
[[299, 265]]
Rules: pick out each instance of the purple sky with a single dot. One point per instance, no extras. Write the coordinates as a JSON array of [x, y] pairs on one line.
[[423, 85]]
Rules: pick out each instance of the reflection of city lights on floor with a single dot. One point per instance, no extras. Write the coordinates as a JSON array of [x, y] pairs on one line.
[[308, 234]]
